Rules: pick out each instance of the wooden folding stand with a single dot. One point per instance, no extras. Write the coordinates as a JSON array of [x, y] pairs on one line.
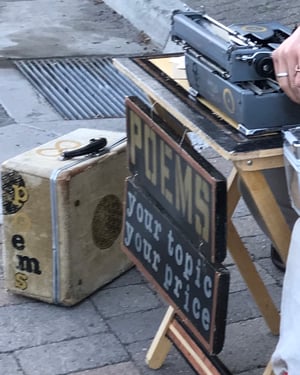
[[171, 332], [250, 157]]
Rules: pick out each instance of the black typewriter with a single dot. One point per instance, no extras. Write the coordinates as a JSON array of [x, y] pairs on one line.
[[232, 68]]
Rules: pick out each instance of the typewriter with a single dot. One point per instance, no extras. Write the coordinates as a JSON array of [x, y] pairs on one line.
[[231, 67]]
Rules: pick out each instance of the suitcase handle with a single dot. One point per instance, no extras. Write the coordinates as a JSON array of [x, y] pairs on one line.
[[95, 146]]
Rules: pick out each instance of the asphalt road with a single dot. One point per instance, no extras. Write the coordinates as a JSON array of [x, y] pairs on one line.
[[228, 12]]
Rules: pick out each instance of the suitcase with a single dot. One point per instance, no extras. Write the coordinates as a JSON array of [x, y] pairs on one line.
[[62, 219]]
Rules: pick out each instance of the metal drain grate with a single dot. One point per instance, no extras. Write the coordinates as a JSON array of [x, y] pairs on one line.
[[80, 88]]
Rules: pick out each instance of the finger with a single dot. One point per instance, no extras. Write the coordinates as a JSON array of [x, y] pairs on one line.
[[284, 66], [293, 88], [297, 76], [294, 95], [282, 76], [285, 59], [290, 89]]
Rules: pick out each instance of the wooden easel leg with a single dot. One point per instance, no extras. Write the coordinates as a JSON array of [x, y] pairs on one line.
[[268, 369], [253, 280], [244, 262], [233, 194], [269, 210], [160, 345], [201, 362]]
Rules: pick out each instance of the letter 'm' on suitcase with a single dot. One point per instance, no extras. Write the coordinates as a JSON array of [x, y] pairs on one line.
[[62, 219]]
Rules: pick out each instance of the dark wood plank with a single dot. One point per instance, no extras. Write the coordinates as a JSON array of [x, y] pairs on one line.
[[229, 142]]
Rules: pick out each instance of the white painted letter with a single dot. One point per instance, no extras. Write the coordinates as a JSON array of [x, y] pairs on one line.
[[129, 233], [131, 203], [168, 277]]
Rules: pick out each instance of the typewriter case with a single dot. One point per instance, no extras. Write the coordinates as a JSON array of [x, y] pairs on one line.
[[291, 151], [62, 219]]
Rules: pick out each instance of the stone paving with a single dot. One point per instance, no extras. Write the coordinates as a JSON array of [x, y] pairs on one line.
[[109, 333]]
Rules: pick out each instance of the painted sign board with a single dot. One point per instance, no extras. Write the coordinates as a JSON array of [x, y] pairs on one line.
[[191, 191], [196, 288]]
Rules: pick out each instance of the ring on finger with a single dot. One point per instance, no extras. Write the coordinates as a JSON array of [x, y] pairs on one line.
[[283, 74]]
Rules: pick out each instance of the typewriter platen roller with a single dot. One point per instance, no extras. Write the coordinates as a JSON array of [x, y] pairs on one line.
[[232, 68]]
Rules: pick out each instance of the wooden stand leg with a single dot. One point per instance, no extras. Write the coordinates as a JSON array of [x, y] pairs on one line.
[[202, 364], [233, 194], [268, 369], [169, 332], [160, 345], [244, 262], [253, 280], [269, 210]]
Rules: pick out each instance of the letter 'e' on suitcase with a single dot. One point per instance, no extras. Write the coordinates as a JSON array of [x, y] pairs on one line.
[[62, 219]]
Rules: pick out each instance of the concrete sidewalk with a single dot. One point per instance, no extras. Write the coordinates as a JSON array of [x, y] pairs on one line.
[[110, 332]]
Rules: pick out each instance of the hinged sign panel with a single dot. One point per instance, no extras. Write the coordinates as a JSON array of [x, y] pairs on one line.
[[197, 289], [191, 191]]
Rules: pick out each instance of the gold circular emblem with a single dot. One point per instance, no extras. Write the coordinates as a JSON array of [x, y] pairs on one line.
[[228, 100], [254, 28]]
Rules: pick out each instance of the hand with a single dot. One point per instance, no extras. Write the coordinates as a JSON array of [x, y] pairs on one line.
[[286, 58]]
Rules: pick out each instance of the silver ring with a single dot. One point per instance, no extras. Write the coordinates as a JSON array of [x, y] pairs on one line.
[[283, 74]]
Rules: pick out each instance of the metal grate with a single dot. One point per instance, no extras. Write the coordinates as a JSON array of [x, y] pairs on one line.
[[80, 88]]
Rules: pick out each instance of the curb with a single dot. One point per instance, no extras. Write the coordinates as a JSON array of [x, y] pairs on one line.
[[150, 16]]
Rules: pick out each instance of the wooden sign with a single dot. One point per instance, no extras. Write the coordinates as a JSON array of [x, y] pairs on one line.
[[197, 289], [191, 191]]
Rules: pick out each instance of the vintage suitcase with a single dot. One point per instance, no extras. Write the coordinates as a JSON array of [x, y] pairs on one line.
[[62, 219]]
